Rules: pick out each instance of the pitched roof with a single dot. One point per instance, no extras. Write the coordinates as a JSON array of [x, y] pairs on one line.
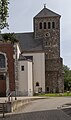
[[46, 13], [28, 42]]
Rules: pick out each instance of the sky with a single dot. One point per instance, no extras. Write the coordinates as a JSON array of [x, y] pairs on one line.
[[21, 13]]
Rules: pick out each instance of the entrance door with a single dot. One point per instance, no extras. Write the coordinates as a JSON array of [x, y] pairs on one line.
[[2, 86]]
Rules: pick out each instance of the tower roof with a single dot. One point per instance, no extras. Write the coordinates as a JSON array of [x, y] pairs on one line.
[[46, 13]]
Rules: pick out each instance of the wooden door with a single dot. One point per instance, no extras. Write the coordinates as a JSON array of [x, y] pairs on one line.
[[2, 88]]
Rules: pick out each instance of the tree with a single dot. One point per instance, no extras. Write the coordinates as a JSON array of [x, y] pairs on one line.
[[9, 37], [67, 78], [3, 13]]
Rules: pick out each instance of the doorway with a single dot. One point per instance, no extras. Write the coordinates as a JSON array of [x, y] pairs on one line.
[[47, 89], [2, 86]]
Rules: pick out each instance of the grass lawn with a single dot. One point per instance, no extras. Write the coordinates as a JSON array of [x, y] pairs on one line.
[[55, 94]]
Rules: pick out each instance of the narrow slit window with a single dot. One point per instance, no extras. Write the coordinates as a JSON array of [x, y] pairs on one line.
[[46, 43], [53, 25], [49, 25], [40, 25], [44, 25]]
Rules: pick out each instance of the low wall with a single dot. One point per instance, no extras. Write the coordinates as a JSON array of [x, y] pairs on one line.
[[12, 106], [18, 103]]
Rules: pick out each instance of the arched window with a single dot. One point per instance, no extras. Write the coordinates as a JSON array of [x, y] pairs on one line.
[[37, 83], [44, 25], [2, 61], [53, 25], [49, 25], [40, 25]]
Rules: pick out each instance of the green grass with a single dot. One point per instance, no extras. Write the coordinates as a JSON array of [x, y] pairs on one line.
[[55, 94]]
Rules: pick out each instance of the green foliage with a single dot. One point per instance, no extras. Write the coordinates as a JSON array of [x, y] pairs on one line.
[[9, 37], [3, 13], [55, 94], [67, 78]]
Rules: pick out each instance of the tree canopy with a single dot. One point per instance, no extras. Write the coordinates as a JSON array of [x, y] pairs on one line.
[[9, 37], [67, 78], [3, 13]]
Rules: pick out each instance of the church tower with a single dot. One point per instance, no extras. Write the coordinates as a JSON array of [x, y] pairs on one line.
[[47, 28]]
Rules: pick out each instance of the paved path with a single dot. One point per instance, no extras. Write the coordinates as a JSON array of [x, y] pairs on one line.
[[44, 109], [45, 104]]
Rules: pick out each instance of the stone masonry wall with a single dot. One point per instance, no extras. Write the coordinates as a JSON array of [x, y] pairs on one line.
[[54, 81], [54, 75], [49, 36]]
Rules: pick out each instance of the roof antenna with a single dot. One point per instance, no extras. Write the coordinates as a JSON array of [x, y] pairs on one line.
[[44, 5]]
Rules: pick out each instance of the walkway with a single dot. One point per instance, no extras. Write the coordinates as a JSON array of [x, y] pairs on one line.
[[43, 109]]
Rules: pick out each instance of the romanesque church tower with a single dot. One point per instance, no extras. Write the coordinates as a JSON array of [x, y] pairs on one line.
[[47, 29]]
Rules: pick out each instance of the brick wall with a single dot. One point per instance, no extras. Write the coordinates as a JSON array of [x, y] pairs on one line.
[[8, 49]]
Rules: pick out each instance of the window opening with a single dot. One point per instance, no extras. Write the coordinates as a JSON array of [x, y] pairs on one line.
[[37, 83], [53, 25], [44, 25], [46, 43], [49, 25], [22, 68], [2, 61], [40, 25]]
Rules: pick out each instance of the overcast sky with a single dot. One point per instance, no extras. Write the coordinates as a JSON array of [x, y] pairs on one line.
[[21, 13]]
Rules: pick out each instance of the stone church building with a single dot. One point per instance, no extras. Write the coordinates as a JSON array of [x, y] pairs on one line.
[[35, 63]]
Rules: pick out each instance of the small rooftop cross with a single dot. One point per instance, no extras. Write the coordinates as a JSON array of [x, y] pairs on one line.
[[44, 5]]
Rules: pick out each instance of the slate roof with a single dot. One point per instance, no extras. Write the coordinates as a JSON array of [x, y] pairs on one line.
[[46, 13], [28, 43]]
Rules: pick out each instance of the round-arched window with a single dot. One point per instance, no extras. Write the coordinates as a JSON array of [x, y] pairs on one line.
[[2, 61], [37, 83]]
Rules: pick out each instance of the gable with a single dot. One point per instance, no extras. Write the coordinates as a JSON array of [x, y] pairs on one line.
[[46, 13]]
